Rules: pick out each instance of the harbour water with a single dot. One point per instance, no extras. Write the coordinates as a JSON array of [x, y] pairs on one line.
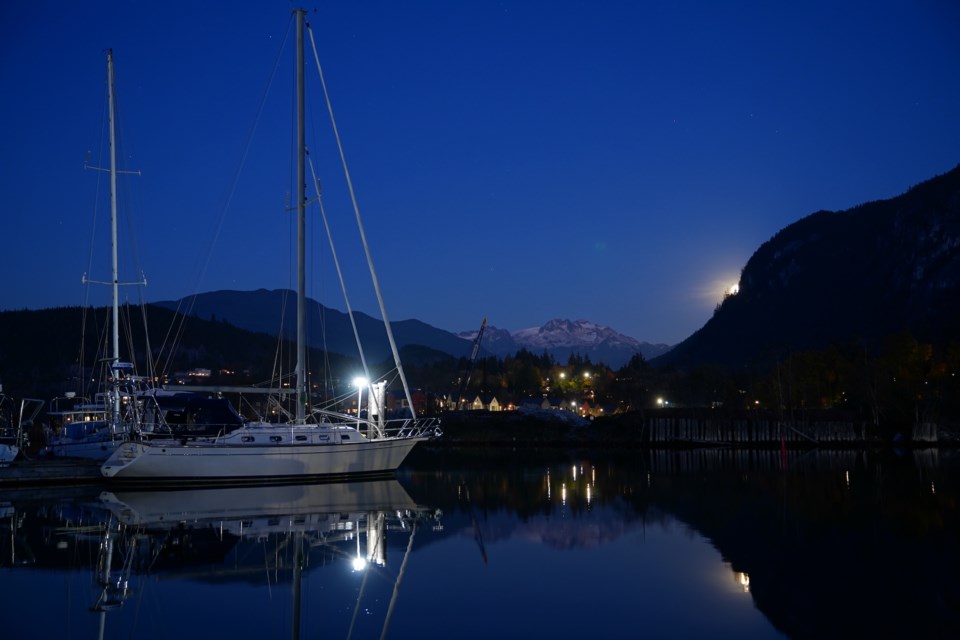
[[474, 543]]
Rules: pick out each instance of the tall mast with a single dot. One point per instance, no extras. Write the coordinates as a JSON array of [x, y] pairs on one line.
[[115, 355], [301, 227]]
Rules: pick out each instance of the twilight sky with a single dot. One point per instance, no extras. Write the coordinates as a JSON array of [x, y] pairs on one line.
[[521, 160]]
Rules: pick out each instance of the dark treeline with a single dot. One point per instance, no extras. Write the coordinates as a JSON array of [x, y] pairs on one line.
[[50, 352], [906, 382]]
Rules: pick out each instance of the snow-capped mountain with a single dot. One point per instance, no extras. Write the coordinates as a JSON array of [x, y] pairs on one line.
[[568, 333], [562, 338]]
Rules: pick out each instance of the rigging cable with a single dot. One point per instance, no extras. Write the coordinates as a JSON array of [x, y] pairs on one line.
[[336, 263], [363, 235], [85, 304], [178, 333]]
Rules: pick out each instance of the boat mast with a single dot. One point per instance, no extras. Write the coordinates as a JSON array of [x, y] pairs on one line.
[[301, 227], [115, 356]]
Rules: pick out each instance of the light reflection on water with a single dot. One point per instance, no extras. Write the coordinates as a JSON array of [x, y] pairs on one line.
[[477, 544]]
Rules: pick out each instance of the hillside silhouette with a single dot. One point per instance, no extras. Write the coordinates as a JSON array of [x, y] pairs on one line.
[[854, 277]]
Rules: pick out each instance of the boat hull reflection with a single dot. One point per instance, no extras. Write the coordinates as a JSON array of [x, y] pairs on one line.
[[261, 536], [197, 506]]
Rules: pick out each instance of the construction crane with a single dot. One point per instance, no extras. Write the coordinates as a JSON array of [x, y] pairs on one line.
[[465, 379]]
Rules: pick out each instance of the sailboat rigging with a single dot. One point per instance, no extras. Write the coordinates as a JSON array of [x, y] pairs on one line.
[[322, 443], [115, 408]]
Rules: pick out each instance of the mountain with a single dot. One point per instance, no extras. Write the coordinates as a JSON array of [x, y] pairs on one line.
[[563, 338], [275, 312], [62, 349], [853, 277]]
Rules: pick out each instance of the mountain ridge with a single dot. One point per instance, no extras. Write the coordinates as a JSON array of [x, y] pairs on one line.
[[562, 338], [851, 278], [273, 311]]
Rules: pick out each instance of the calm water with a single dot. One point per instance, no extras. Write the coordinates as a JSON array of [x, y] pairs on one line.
[[504, 544]]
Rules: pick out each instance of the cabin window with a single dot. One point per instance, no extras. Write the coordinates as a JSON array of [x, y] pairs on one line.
[[246, 439], [300, 438], [344, 436], [276, 439]]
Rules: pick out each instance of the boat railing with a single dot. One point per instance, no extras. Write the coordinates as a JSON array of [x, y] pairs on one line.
[[412, 428], [215, 433]]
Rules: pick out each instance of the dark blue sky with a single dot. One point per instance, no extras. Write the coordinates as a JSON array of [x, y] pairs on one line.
[[612, 161]]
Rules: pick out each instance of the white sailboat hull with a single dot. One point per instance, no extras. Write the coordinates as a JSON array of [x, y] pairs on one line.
[[200, 462]]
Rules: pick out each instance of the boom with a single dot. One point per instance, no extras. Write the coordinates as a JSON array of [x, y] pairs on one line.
[[465, 380]]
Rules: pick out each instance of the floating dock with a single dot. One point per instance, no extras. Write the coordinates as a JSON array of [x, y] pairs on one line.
[[22, 473]]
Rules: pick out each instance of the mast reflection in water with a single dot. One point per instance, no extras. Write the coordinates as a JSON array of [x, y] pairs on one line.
[[713, 543], [186, 563]]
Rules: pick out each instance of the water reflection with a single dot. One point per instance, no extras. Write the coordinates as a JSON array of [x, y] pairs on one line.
[[131, 544], [822, 544], [479, 544]]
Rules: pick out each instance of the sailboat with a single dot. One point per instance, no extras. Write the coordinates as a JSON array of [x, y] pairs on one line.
[[319, 444], [93, 430], [12, 424]]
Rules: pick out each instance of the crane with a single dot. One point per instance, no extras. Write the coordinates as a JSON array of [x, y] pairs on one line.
[[465, 380]]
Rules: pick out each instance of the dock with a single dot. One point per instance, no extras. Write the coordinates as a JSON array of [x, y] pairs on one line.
[[31, 473]]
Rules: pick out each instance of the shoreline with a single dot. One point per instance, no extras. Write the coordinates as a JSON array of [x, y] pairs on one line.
[[672, 429]]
